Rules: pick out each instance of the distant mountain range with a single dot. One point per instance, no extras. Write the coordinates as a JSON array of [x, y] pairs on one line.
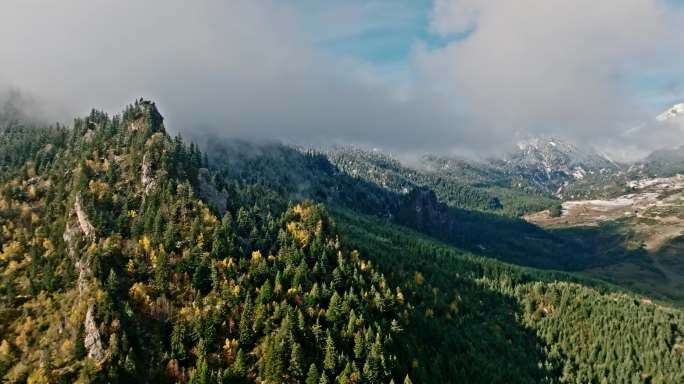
[[552, 163], [557, 167]]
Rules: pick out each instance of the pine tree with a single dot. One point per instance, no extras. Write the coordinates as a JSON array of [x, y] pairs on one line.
[[130, 367], [296, 360], [162, 271], [274, 365], [201, 374], [330, 357], [80, 349], [301, 322], [244, 222], [215, 277], [201, 279], [351, 324], [337, 279], [178, 341], [312, 375], [239, 366], [112, 282], [334, 309], [245, 327], [359, 345], [265, 293], [372, 369], [158, 227], [170, 237]]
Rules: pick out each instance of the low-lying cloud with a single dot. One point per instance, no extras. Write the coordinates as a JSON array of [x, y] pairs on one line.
[[247, 68]]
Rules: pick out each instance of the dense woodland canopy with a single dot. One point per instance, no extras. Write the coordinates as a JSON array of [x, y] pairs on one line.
[[130, 256]]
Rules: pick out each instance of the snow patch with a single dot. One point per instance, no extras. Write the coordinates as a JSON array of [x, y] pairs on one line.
[[674, 112]]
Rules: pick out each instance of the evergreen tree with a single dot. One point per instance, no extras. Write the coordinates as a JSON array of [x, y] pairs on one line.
[[296, 360], [359, 346], [162, 271], [245, 327], [334, 312], [312, 375], [201, 374], [329, 361], [178, 341], [201, 279], [239, 365]]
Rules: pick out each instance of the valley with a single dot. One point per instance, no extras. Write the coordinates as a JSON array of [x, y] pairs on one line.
[[649, 220]]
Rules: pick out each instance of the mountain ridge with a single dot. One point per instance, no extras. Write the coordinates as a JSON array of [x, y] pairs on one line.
[[114, 269]]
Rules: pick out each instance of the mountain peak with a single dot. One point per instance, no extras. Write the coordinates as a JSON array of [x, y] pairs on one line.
[[551, 162], [676, 111], [144, 113], [541, 142]]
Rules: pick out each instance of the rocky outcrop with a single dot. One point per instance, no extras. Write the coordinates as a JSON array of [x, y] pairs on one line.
[[82, 267], [84, 274], [146, 174], [92, 339], [73, 229], [87, 228], [136, 125], [69, 236], [147, 117], [89, 136], [421, 210]]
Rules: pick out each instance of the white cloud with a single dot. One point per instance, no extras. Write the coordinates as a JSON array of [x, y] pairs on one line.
[[553, 66], [255, 68]]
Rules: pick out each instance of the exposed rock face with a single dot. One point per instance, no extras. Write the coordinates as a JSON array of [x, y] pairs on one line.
[[421, 210], [89, 136], [146, 174], [136, 125], [155, 119], [71, 231], [148, 118], [84, 274], [82, 267], [48, 148], [93, 341], [87, 228]]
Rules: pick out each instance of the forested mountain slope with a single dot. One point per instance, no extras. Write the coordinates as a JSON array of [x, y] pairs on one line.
[[114, 271], [128, 256], [373, 183], [481, 318], [335, 174]]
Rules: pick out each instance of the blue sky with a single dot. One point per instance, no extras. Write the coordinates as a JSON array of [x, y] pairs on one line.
[[385, 33], [386, 38], [381, 33]]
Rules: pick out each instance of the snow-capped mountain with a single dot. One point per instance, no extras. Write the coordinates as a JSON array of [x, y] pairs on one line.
[[552, 163], [664, 161], [675, 112]]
